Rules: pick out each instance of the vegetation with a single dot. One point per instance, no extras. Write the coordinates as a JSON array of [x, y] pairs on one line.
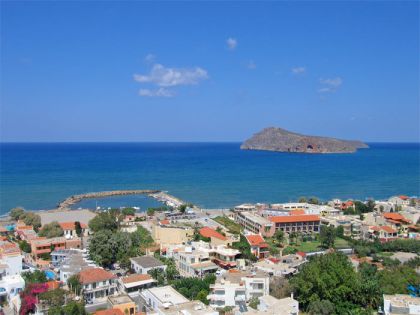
[[328, 284], [24, 246], [107, 247], [232, 227], [72, 308], [244, 248], [327, 236], [105, 221], [29, 218], [16, 213], [37, 276], [53, 298], [195, 288], [128, 211], [50, 230], [254, 302], [74, 284], [78, 228], [169, 275]]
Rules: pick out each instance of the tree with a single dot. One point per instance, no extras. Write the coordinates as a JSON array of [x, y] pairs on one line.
[[104, 221], [150, 212], [50, 230], [24, 246], [279, 236], [323, 307], [78, 228], [339, 231], [71, 308], [327, 236], [74, 284], [53, 297], [313, 200], [182, 208], [370, 204], [33, 219], [303, 200], [128, 211], [37, 276], [16, 213], [326, 277]]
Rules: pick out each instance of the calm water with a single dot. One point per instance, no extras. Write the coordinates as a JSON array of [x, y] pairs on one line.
[[37, 176]]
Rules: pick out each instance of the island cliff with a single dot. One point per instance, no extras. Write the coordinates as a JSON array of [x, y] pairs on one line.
[[281, 140]]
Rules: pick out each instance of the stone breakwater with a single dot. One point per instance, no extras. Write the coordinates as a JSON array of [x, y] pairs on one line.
[[68, 202]]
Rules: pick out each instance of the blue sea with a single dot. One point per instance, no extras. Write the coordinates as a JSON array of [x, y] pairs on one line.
[[212, 175]]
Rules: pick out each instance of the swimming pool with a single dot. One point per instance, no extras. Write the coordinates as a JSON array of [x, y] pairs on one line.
[[50, 274]]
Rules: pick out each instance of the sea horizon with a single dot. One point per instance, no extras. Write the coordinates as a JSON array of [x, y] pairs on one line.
[[211, 175]]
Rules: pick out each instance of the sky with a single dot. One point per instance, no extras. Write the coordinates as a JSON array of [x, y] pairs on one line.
[[208, 71]]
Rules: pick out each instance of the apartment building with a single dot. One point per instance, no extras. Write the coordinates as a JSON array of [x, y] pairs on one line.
[[165, 235], [308, 223], [42, 245], [194, 262], [254, 223], [270, 305], [351, 225], [97, 283], [124, 303], [188, 308], [235, 288], [383, 233]]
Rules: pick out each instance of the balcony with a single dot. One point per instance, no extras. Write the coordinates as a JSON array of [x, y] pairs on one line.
[[240, 298], [216, 297]]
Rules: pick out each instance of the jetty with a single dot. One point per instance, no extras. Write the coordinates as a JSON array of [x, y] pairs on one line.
[[153, 193], [68, 202]]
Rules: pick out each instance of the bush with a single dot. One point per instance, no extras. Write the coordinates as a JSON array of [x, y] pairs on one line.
[[50, 230]]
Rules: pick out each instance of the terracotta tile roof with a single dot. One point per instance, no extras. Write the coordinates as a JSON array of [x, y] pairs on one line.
[[2, 229], [297, 212], [164, 222], [255, 239], [402, 197], [388, 229], [209, 232], [71, 225], [413, 227], [112, 311], [395, 216], [294, 218], [301, 254], [375, 228], [135, 278], [52, 285], [95, 275]]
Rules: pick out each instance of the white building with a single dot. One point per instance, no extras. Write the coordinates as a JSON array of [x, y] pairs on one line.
[[401, 304], [133, 284], [271, 306], [10, 286], [144, 264], [189, 308], [10, 259], [237, 288], [162, 297]]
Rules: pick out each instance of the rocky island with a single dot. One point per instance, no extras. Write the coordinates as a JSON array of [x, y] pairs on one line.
[[281, 140]]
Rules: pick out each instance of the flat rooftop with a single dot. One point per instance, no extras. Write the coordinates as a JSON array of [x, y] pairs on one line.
[[120, 299], [168, 294], [255, 218]]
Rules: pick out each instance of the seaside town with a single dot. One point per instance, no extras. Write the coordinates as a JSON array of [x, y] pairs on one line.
[[304, 257]]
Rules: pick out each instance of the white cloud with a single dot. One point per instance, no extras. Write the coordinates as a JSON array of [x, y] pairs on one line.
[[149, 58], [298, 70], [251, 65], [163, 76], [231, 43], [160, 92], [330, 85]]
